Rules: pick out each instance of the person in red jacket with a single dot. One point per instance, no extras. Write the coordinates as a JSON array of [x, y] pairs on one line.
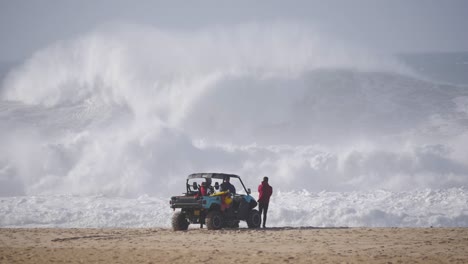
[[264, 193], [206, 188]]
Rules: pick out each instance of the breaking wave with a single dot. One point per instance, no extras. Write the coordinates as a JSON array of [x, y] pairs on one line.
[[132, 110]]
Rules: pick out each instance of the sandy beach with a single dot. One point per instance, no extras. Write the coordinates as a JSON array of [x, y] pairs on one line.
[[274, 245]]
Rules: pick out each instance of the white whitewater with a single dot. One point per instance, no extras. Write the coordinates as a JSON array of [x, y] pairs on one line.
[[89, 124], [437, 208]]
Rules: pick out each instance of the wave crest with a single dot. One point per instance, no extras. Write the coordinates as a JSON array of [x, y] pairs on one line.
[[132, 110]]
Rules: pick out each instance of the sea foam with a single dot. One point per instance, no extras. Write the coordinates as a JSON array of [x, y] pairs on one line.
[[380, 208]]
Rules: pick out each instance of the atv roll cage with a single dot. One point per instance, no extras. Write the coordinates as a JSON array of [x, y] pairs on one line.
[[192, 188]]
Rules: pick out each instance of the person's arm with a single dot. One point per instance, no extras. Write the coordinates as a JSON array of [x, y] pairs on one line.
[[260, 192]]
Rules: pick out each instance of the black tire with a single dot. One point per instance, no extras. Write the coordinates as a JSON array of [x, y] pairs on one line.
[[254, 220], [179, 222], [214, 220]]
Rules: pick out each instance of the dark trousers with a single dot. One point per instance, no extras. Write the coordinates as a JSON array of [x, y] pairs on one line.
[[263, 207]]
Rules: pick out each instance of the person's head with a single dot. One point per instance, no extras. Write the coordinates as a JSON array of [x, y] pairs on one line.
[[265, 179], [226, 179], [208, 181]]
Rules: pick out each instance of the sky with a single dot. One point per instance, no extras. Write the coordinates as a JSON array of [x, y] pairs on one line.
[[386, 26]]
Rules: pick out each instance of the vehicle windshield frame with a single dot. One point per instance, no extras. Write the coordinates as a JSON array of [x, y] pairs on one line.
[[218, 176]]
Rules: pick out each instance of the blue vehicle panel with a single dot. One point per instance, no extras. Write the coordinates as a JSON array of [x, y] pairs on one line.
[[248, 198], [208, 201]]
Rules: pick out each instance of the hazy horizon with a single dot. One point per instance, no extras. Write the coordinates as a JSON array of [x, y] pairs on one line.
[[383, 26]]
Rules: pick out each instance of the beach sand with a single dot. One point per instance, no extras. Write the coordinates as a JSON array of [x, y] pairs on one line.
[[273, 245]]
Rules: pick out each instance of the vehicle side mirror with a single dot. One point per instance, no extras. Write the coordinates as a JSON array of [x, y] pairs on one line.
[[195, 186], [216, 186], [249, 191]]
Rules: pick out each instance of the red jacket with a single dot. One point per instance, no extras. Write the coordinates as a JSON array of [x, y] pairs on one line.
[[203, 190], [264, 192]]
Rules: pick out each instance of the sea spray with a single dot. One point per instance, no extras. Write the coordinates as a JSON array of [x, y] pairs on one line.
[[132, 110]]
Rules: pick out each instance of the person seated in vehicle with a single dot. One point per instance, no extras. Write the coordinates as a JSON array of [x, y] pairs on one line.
[[206, 188], [209, 187], [227, 186], [203, 189]]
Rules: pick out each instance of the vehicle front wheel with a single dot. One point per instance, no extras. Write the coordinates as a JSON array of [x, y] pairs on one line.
[[214, 220], [253, 220], [179, 222]]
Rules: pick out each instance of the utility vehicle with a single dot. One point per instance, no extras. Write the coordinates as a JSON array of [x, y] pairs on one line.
[[205, 202]]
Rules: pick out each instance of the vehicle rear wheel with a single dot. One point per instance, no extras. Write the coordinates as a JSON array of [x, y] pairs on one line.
[[179, 222], [214, 220], [254, 220]]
